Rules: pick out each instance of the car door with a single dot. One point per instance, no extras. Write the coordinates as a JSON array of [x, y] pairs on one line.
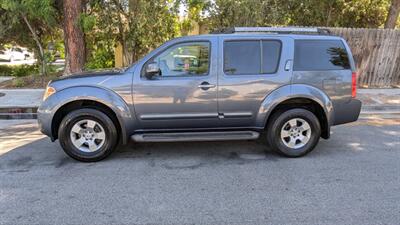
[[184, 95], [252, 67], [17, 54]]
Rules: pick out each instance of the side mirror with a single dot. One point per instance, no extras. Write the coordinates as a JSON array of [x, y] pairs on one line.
[[152, 69]]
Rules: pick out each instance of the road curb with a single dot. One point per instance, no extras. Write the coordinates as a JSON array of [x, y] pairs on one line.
[[12, 113]]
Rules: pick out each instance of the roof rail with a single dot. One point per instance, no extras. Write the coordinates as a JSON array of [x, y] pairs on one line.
[[276, 30]]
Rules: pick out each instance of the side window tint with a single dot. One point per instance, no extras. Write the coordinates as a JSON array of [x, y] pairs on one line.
[[271, 51], [189, 59], [242, 57], [312, 55]]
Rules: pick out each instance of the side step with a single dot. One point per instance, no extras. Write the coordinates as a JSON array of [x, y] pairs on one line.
[[196, 136]]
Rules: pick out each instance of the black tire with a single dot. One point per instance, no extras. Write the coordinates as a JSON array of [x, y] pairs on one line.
[[279, 119], [110, 141]]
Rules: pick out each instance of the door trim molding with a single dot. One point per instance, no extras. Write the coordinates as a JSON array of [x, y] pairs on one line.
[[238, 115], [178, 116]]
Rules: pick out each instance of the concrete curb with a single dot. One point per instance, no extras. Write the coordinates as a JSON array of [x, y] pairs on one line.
[[9, 113]]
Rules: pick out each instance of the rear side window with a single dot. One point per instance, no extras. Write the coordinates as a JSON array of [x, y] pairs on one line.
[[251, 57], [314, 55], [271, 52], [242, 57]]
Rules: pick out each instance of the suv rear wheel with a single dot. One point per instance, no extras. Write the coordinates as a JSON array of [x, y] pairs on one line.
[[87, 135], [294, 132]]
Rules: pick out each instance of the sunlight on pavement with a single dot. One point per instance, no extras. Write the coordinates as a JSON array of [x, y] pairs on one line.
[[18, 135], [376, 121], [394, 133], [391, 144], [356, 146]]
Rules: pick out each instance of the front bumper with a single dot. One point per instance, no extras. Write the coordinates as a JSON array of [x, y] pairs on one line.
[[347, 112], [44, 118]]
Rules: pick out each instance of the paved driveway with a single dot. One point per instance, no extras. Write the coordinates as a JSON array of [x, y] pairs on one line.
[[353, 178]]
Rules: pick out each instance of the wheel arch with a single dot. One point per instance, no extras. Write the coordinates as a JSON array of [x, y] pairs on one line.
[[300, 96], [78, 104], [66, 100]]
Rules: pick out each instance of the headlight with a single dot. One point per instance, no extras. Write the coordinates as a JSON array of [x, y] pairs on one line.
[[49, 91]]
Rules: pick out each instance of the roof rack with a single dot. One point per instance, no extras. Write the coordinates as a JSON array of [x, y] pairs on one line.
[[275, 30]]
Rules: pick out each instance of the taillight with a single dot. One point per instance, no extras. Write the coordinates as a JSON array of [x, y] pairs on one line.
[[353, 84]]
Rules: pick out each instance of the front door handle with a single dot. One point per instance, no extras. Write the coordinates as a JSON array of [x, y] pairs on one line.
[[205, 85]]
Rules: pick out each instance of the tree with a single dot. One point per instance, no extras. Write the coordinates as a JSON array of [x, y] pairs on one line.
[[228, 13], [36, 18], [335, 13], [74, 39], [138, 25], [194, 14], [393, 14]]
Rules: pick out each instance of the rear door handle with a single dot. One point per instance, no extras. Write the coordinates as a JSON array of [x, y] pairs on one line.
[[288, 65], [205, 85]]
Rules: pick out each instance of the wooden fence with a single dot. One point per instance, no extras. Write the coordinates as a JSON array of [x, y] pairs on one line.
[[377, 55]]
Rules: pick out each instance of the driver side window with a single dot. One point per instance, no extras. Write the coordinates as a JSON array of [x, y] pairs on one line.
[[187, 59]]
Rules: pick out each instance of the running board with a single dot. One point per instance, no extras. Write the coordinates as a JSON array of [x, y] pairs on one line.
[[196, 136]]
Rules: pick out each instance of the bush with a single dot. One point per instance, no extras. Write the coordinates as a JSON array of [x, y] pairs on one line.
[[101, 57], [18, 82], [5, 70], [19, 71]]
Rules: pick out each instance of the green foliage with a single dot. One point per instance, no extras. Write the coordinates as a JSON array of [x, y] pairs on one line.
[[5, 70], [139, 25], [101, 57], [18, 82], [18, 15], [18, 71], [336, 13], [87, 22], [195, 11], [228, 13]]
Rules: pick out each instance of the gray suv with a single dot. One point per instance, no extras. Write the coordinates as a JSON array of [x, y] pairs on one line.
[[285, 85]]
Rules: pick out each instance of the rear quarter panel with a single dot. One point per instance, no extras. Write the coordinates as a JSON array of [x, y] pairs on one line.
[[336, 84]]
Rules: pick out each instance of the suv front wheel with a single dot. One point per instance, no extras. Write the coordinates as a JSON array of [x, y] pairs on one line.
[[87, 135], [294, 132]]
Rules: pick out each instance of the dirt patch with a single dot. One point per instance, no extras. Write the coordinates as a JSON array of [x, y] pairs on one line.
[[32, 81], [376, 121]]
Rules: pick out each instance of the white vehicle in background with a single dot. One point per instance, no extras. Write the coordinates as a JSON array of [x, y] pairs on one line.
[[15, 53]]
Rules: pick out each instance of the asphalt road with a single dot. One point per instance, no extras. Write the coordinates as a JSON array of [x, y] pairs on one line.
[[353, 178]]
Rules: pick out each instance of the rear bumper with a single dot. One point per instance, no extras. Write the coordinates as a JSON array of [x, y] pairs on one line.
[[347, 112]]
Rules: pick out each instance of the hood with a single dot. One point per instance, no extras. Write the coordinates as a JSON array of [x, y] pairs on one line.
[[86, 78], [93, 73]]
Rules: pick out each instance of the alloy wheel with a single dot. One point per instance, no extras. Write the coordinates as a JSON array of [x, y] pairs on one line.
[[87, 135], [296, 133]]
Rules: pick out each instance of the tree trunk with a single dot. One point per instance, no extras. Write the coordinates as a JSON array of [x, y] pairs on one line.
[[67, 69], [38, 44], [393, 14], [74, 38]]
